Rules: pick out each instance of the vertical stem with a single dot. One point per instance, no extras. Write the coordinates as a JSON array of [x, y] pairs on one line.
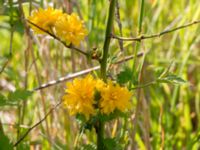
[[107, 39], [141, 16], [137, 44], [11, 25], [100, 126], [100, 135]]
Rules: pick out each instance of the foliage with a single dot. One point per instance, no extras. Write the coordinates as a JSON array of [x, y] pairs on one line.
[[5, 143], [15, 97], [124, 76]]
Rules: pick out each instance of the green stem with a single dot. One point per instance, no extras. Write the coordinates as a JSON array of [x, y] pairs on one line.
[[103, 66], [100, 135], [137, 44], [141, 16], [107, 39]]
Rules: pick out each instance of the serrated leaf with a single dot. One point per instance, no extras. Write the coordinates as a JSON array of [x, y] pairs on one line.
[[171, 78], [124, 76], [19, 95]]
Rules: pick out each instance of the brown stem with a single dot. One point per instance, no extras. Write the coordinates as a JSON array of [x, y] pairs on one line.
[[143, 37]]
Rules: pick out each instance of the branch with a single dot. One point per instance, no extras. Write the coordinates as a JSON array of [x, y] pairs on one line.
[[106, 45], [38, 123], [57, 38], [143, 37], [80, 73], [4, 66], [144, 85], [68, 77]]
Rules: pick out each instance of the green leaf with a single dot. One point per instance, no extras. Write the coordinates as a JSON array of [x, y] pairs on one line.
[[112, 144], [19, 95], [85, 124], [2, 100], [90, 146], [5, 102], [80, 118], [171, 78], [159, 71], [5, 143], [124, 76], [111, 116]]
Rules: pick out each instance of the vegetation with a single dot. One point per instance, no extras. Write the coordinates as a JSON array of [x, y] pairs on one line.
[[143, 87]]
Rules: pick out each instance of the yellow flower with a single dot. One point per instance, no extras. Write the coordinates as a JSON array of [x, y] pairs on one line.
[[45, 18], [79, 96], [114, 97], [70, 29], [100, 85]]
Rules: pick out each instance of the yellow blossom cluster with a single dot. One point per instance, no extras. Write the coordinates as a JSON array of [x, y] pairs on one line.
[[80, 97], [69, 28]]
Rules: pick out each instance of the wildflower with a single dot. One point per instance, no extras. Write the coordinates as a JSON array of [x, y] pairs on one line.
[[71, 29], [100, 85], [114, 97], [79, 96], [45, 19]]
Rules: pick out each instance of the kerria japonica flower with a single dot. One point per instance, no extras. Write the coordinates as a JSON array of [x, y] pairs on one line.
[[80, 97], [114, 97], [45, 19], [68, 28]]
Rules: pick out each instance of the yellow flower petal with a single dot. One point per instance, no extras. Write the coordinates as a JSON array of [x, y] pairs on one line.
[[114, 97], [70, 29], [79, 97], [44, 18]]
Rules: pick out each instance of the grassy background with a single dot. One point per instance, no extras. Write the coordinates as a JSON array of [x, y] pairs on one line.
[[168, 115]]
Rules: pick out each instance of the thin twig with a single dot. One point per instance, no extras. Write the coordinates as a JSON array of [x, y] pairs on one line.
[[144, 85], [11, 26], [57, 38], [80, 73], [68, 77], [38, 123], [11, 39], [4, 66], [143, 37]]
